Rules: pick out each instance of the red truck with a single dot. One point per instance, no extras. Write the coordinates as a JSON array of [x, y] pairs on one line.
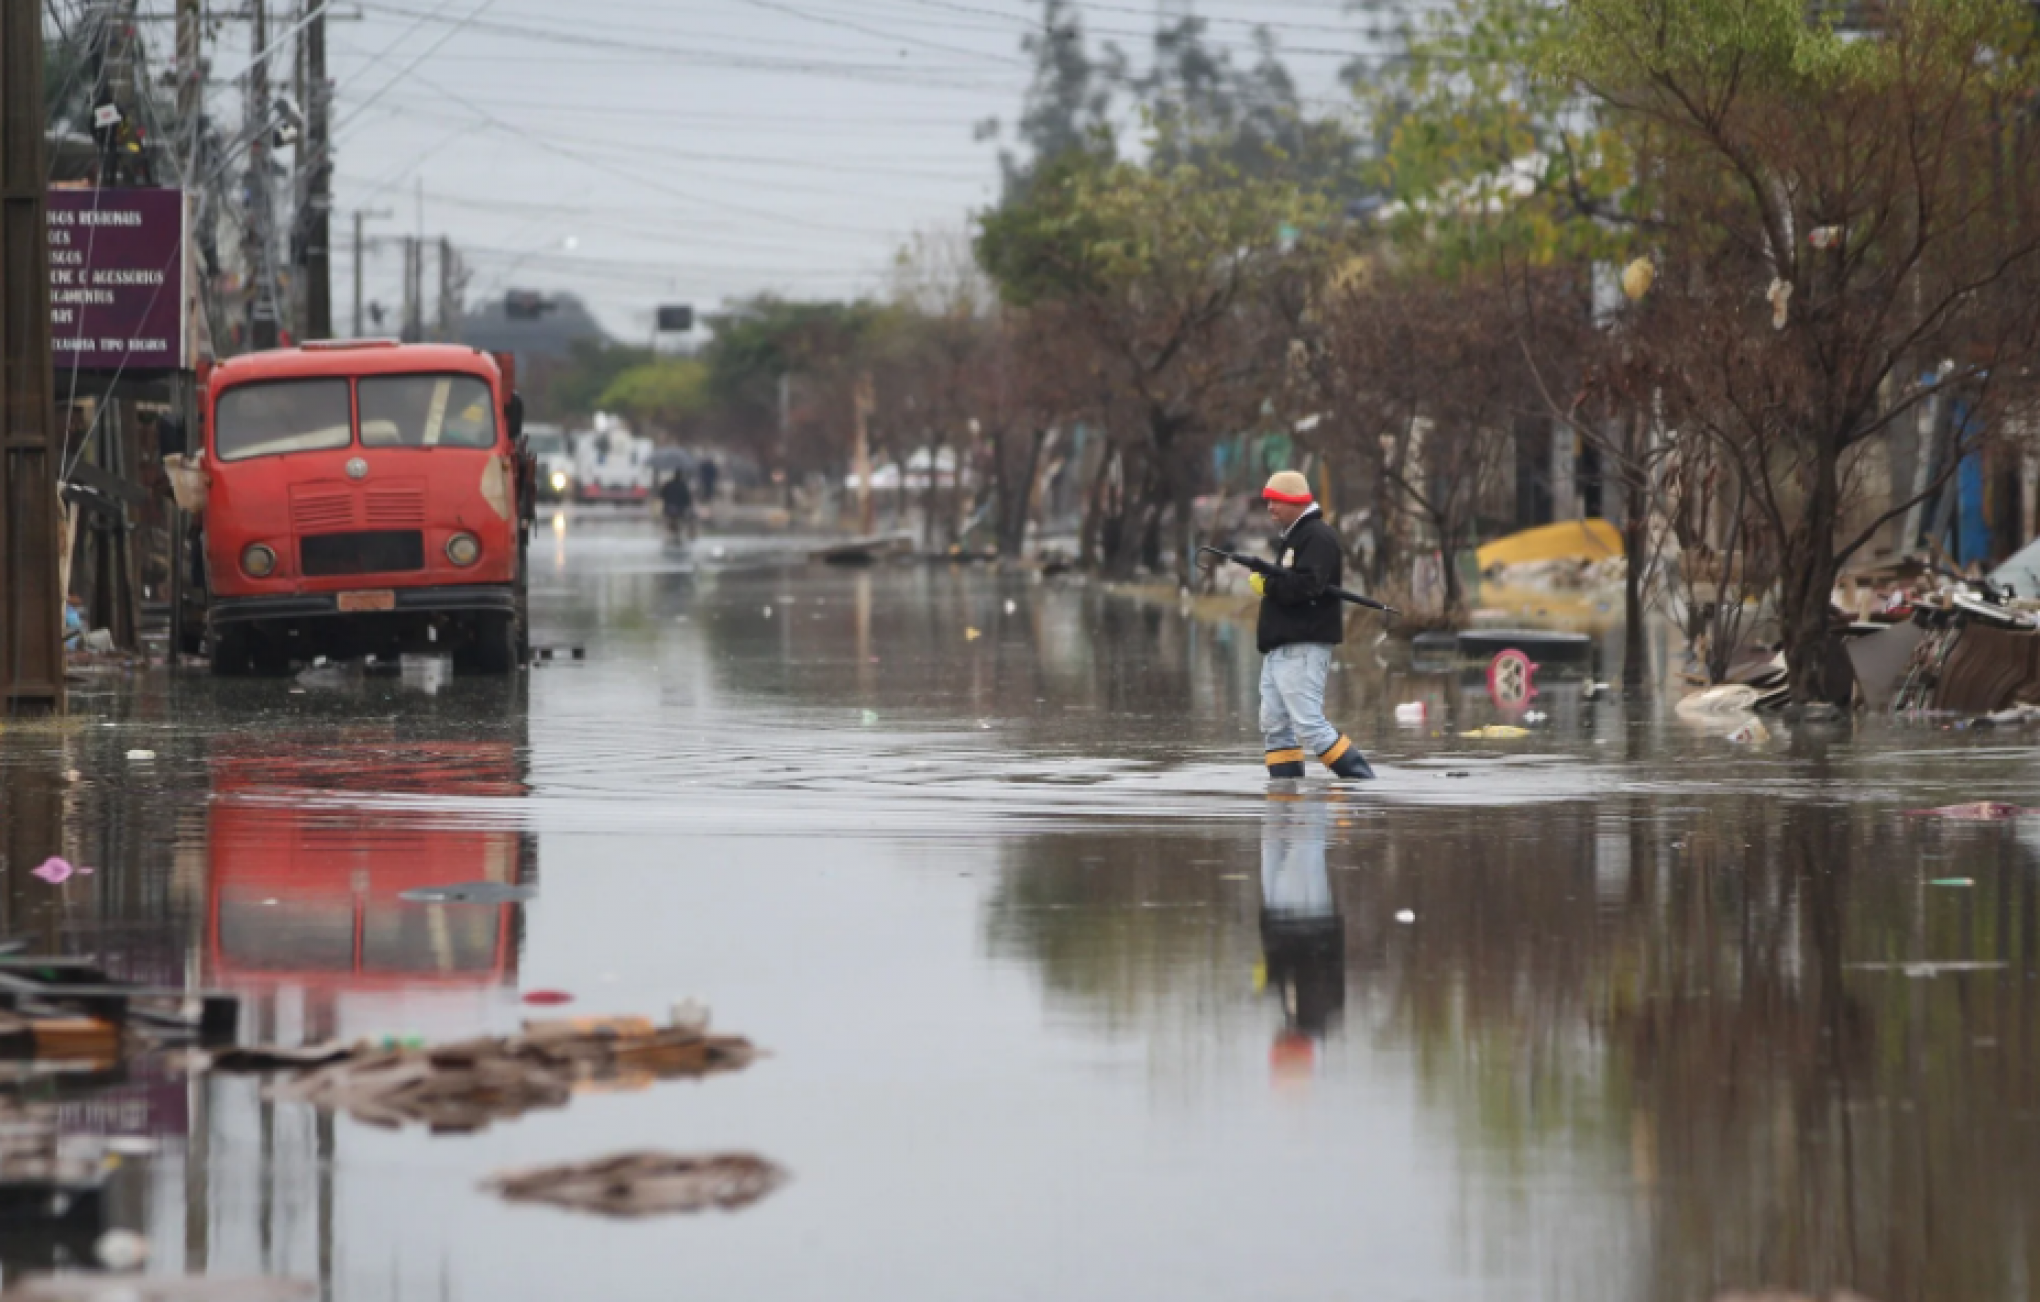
[[365, 497]]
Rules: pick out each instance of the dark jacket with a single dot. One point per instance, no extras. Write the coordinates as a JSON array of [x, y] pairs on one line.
[[1294, 604]]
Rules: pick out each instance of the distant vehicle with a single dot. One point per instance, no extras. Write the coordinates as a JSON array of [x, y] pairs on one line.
[[365, 496], [612, 465], [553, 458]]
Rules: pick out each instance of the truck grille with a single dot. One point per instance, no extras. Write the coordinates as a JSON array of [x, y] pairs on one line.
[[396, 506], [315, 510], [382, 551]]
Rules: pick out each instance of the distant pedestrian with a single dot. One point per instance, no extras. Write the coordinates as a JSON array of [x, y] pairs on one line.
[[1300, 623], [678, 503], [709, 473]]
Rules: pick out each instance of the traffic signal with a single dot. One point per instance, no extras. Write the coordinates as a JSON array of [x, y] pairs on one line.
[[676, 319]]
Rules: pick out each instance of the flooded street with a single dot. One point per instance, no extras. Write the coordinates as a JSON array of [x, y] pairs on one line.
[[1057, 996]]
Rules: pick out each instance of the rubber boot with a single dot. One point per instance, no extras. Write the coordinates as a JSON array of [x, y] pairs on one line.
[[1285, 763], [1345, 760]]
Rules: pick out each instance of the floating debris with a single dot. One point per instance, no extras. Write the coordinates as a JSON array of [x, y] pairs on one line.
[[1497, 732], [463, 1086], [645, 1184]]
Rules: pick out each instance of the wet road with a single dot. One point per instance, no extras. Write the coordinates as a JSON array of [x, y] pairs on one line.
[[1062, 1000]]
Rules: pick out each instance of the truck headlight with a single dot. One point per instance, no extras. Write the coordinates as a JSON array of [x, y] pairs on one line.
[[257, 561], [559, 481], [463, 549]]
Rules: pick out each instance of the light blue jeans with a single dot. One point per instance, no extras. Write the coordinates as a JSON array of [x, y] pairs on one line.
[[1293, 698]]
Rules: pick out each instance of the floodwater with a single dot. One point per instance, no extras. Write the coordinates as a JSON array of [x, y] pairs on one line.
[[1062, 1000]]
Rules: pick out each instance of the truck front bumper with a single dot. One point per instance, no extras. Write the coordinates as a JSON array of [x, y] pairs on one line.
[[408, 601]]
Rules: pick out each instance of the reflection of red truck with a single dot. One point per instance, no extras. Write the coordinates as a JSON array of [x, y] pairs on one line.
[[365, 497], [310, 894]]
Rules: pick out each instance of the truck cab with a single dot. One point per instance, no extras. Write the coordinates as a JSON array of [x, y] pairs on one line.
[[365, 497]]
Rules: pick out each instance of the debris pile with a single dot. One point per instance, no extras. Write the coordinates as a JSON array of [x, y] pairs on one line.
[[645, 1184], [464, 1086], [61, 1014]]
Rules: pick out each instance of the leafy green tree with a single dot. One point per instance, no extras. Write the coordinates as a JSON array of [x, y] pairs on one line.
[[1836, 212], [1164, 273], [660, 396]]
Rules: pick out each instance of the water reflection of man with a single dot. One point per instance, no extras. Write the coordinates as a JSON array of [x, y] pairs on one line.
[[1303, 941]]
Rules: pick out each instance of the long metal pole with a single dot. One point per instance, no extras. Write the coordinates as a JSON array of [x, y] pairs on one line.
[[264, 317], [358, 218], [31, 604], [319, 192]]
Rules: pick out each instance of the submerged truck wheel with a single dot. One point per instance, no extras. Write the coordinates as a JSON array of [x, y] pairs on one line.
[[496, 644]]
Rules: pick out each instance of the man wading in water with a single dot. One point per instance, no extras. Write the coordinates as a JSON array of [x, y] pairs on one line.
[[1300, 624]]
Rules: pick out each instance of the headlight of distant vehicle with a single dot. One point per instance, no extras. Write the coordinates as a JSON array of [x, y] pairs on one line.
[[559, 481], [258, 561], [463, 549]]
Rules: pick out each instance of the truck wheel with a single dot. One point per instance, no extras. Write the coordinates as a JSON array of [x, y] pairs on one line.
[[232, 656], [494, 647]]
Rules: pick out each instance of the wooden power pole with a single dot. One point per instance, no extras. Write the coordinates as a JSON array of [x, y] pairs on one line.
[[31, 607]]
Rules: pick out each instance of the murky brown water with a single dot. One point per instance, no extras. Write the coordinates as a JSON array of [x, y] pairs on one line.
[[1063, 1001]]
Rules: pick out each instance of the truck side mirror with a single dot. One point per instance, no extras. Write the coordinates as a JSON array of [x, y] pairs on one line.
[[513, 415]]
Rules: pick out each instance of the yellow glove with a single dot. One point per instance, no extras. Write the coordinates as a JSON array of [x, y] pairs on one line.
[[1259, 583]]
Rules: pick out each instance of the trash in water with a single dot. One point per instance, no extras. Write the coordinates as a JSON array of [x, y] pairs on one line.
[[1497, 732], [1981, 811], [1536, 716], [768, 612], [1410, 712], [141, 754], [1012, 606], [1751, 732], [425, 673], [870, 717], [688, 1015], [547, 997], [463, 1086], [645, 1184], [1406, 916], [344, 674], [470, 893], [971, 635], [1953, 881], [121, 1250], [1724, 702], [54, 870]]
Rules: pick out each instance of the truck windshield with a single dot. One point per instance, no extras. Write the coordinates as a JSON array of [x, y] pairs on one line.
[[426, 411], [265, 420], [544, 442]]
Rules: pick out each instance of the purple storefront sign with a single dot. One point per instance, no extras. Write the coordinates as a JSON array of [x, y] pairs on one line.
[[117, 267]]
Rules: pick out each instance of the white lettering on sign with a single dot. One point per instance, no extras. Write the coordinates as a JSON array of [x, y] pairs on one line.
[[120, 276], [109, 217], [101, 297], [63, 316]]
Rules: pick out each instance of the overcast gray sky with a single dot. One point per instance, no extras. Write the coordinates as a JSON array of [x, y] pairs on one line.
[[639, 152]]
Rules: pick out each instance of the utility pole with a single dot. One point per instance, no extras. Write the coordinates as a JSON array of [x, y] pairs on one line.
[[413, 328], [361, 252], [449, 291], [315, 158], [31, 605], [264, 310]]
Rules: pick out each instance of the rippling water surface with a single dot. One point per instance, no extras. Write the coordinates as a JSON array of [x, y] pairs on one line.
[[1062, 999]]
